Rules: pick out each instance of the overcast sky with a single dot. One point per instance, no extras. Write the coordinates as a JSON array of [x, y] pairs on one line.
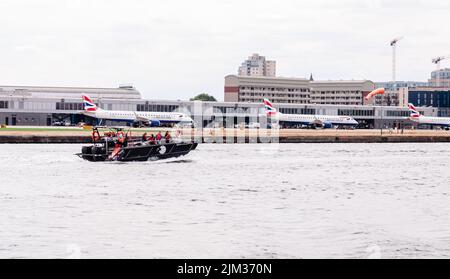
[[175, 49]]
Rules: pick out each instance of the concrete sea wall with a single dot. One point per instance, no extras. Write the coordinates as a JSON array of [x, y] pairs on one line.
[[242, 136]]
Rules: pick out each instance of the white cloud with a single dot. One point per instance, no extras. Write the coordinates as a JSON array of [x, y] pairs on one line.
[[176, 49]]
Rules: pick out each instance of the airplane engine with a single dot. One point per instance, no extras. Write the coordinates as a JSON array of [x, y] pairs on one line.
[[150, 123], [327, 125], [321, 124], [154, 123]]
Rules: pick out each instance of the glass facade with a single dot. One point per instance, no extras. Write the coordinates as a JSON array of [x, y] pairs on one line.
[[225, 110], [440, 99], [158, 108], [298, 110], [398, 113], [69, 106], [355, 112]]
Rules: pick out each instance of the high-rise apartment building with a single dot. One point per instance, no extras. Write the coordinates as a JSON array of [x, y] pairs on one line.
[[440, 78], [257, 66]]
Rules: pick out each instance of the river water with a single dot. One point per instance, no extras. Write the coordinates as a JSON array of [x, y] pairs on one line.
[[230, 200]]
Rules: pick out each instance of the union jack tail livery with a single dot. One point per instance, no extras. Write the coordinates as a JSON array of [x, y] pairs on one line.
[[414, 112], [443, 122], [88, 104], [270, 110]]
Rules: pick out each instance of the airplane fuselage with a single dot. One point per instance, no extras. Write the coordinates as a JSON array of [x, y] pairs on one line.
[[307, 119], [436, 121], [132, 117]]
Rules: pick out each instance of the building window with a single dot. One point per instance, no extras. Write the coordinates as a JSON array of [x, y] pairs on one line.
[[4, 104], [396, 113], [224, 110], [355, 112], [69, 106], [298, 111], [157, 108]]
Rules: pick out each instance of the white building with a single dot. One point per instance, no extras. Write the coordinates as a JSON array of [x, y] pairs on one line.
[[257, 66], [277, 89], [121, 92], [340, 92], [43, 105], [296, 90]]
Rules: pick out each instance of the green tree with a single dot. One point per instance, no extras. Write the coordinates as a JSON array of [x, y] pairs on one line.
[[204, 97]]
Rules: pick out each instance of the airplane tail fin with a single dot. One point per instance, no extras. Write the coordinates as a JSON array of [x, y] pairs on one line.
[[270, 110], [88, 104], [413, 110]]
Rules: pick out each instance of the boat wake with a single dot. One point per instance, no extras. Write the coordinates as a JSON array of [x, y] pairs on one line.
[[179, 161]]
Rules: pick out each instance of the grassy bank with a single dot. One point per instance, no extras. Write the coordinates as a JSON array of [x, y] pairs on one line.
[[44, 129]]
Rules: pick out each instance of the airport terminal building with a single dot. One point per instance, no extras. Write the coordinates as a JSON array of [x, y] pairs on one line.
[[43, 106]]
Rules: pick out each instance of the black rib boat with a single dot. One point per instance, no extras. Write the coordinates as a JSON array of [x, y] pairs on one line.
[[111, 148]]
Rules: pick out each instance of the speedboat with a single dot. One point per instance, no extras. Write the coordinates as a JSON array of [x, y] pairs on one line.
[[118, 145]]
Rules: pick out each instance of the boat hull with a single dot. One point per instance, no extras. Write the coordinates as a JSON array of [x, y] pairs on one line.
[[140, 152]]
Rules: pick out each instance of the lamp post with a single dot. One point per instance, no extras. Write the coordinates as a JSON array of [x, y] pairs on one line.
[[381, 112]]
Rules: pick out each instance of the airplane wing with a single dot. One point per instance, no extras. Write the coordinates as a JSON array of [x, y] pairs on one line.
[[141, 119], [151, 122]]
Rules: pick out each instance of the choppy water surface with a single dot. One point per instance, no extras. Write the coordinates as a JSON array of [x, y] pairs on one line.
[[258, 201]]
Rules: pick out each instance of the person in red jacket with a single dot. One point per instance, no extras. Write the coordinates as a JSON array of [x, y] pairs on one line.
[[158, 137], [152, 139], [167, 137]]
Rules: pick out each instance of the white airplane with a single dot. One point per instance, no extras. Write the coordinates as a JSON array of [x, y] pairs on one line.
[[434, 121], [148, 118], [325, 121]]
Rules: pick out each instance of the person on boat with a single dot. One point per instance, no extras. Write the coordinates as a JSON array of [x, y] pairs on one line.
[[144, 137], [158, 137], [167, 137], [95, 135], [152, 139]]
